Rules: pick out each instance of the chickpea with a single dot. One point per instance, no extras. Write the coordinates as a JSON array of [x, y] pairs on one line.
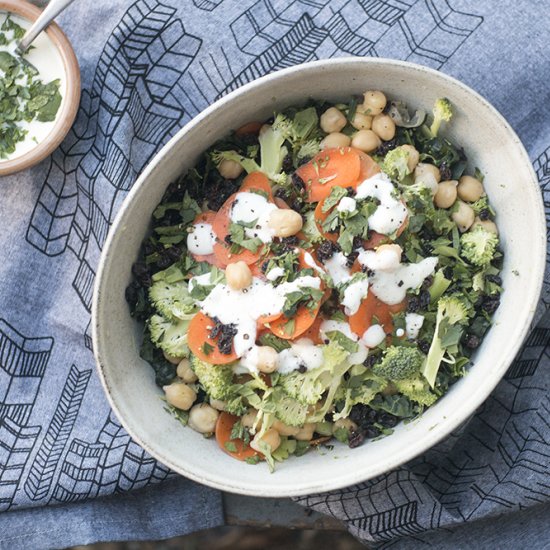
[[306, 432], [336, 139], [345, 423], [445, 196], [464, 216], [185, 372], [218, 404], [268, 359], [332, 120], [271, 438], [384, 126], [414, 156], [488, 225], [374, 102], [470, 189], [172, 358], [283, 429], [422, 169], [229, 169], [248, 419], [366, 140], [203, 418], [238, 275], [180, 395], [285, 223], [361, 121]]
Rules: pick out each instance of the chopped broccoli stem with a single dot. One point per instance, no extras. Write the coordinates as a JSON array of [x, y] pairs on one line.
[[451, 311]]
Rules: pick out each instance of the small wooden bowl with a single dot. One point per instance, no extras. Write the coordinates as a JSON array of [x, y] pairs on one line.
[[71, 94]]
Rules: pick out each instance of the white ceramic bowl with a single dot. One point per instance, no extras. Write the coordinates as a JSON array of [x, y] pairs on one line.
[[510, 181]]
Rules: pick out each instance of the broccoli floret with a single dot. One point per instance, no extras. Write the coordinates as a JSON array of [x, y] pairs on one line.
[[451, 313], [396, 165], [417, 390], [172, 299], [272, 153], [300, 132], [235, 405], [478, 246], [442, 111], [170, 336], [399, 363], [289, 411], [303, 127], [308, 149], [305, 389], [217, 380]]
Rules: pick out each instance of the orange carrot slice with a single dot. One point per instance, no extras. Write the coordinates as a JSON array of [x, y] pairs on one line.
[[313, 332], [340, 166], [288, 329], [199, 334], [257, 181], [222, 250], [371, 307], [224, 425]]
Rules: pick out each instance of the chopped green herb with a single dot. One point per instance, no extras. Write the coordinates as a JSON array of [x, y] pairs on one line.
[[207, 349], [23, 95], [230, 446]]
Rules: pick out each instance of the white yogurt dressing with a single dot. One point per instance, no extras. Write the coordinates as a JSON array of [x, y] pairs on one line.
[[337, 268], [274, 273], [413, 324], [200, 280], [373, 336], [244, 307], [354, 294], [391, 286], [201, 239], [391, 212], [46, 58], [384, 259], [302, 353], [250, 207], [347, 204], [341, 326], [309, 261]]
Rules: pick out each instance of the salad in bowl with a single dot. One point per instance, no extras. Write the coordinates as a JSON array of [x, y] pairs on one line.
[[326, 273]]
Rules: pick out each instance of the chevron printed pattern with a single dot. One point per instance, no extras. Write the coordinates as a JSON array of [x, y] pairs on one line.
[[156, 64]]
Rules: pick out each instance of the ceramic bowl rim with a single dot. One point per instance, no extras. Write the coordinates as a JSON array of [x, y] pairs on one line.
[[435, 435]]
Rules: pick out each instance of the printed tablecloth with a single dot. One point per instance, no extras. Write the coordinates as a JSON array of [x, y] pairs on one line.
[[148, 67]]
